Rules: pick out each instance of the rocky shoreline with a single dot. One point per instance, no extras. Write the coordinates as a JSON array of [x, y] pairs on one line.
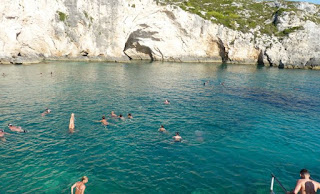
[[122, 30]]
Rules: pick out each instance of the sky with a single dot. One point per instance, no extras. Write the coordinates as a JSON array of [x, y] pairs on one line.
[[311, 1]]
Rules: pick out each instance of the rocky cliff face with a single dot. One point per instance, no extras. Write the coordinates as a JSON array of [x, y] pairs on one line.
[[121, 30]]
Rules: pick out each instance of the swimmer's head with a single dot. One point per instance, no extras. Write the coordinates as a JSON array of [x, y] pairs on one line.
[[177, 133], [162, 126], [304, 173], [103, 117], [120, 115], [10, 125], [84, 179], [129, 114], [2, 130]]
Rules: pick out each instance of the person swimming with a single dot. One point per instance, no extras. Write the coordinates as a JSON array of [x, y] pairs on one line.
[[2, 133], [71, 123], [206, 83], [47, 111], [113, 114], [177, 137], [306, 185], [16, 128], [80, 186], [121, 117], [162, 129], [166, 102], [130, 116], [104, 121]]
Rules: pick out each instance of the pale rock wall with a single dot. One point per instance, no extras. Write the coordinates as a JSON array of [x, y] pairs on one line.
[[119, 30]]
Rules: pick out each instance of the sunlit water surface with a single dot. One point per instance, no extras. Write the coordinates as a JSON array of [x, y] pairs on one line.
[[261, 120]]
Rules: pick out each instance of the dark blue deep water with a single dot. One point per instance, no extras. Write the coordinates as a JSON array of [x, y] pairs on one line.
[[260, 121]]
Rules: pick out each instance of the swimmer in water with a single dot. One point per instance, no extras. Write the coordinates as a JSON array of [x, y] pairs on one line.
[[206, 83], [121, 117], [71, 124], [166, 102], [47, 111], [305, 185], [113, 114], [2, 133], [162, 129], [130, 116], [104, 121], [177, 138], [80, 186], [16, 128]]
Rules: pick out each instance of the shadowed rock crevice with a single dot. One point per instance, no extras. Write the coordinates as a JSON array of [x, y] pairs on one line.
[[260, 58], [170, 15], [222, 51], [268, 59], [133, 42]]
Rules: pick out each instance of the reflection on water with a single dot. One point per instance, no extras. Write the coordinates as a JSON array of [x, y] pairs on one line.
[[245, 123]]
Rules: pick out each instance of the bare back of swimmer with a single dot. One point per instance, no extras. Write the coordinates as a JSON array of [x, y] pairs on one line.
[[104, 121], [80, 186], [16, 128]]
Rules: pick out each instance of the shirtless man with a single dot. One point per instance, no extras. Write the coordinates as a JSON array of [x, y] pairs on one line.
[[71, 124], [306, 185], [104, 121], [16, 128], [177, 138], [113, 114], [80, 187], [162, 129], [121, 117], [166, 102], [47, 111], [130, 116]]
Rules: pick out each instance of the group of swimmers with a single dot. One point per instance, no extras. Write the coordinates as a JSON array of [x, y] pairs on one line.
[[177, 137]]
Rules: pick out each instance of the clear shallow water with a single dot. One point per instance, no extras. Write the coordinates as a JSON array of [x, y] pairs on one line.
[[262, 120]]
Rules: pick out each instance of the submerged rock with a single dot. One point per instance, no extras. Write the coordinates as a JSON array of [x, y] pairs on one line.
[[121, 30]]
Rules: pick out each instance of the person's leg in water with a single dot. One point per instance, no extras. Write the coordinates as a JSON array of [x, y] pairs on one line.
[[71, 124]]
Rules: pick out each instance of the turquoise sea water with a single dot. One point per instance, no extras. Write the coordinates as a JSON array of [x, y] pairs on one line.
[[262, 120]]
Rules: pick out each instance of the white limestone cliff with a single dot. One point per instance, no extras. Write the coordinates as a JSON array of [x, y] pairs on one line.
[[120, 30]]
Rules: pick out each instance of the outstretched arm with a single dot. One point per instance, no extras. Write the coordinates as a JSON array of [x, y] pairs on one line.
[[73, 186], [298, 188], [318, 186]]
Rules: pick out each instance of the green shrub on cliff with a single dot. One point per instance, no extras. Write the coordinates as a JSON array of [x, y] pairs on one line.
[[62, 16], [242, 15]]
